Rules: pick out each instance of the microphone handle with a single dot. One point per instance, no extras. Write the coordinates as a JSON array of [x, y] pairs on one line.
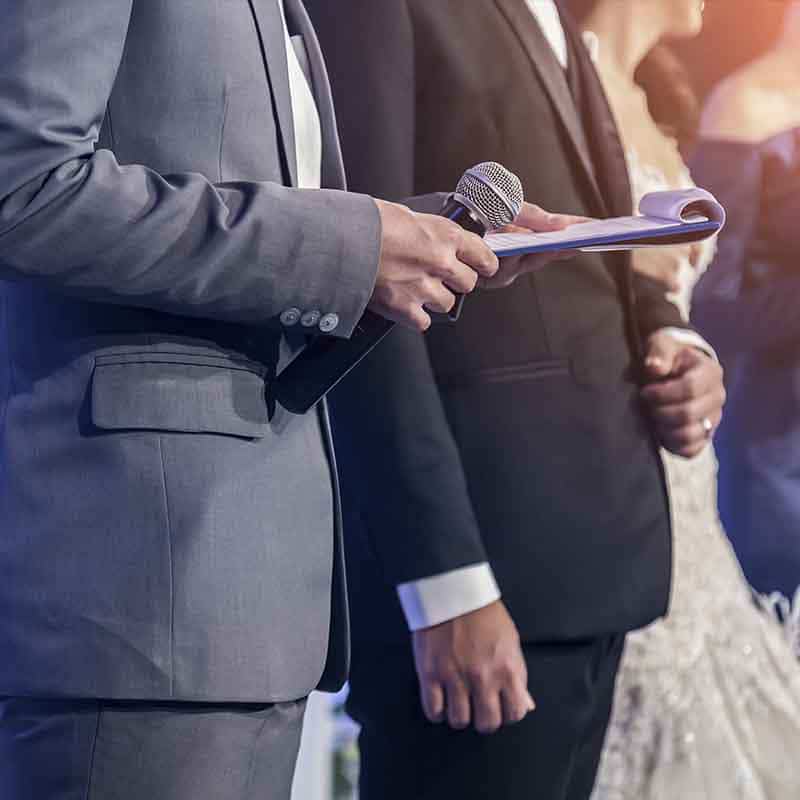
[[326, 360], [470, 220]]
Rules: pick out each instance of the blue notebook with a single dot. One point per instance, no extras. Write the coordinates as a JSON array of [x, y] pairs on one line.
[[664, 219]]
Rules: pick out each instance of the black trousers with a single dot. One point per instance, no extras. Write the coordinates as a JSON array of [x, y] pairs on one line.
[[551, 755], [95, 750]]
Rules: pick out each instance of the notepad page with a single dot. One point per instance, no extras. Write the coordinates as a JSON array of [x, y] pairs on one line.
[[582, 232]]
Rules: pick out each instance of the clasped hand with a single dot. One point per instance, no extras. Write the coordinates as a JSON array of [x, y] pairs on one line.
[[684, 392]]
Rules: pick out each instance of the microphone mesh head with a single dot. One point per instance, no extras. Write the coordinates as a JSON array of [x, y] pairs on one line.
[[494, 191]]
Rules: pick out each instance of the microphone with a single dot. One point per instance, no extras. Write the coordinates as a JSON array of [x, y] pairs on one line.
[[487, 197]]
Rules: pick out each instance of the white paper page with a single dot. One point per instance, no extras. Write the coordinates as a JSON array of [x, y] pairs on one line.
[[613, 248], [596, 229]]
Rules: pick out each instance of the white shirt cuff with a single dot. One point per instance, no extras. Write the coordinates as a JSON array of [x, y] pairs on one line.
[[692, 338], [440, 598]]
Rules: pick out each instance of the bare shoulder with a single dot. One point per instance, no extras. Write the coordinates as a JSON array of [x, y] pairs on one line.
[[735, 110]]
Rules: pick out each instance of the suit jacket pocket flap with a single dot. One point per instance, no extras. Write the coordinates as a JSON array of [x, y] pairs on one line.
[[512, 373], [183, 396]]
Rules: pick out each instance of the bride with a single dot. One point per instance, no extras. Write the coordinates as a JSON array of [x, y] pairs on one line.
[[707, 705]]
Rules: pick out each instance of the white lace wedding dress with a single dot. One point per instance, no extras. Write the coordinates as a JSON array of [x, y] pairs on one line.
[[707, 705]]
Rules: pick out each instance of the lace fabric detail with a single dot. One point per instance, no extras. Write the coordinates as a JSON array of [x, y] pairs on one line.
[[707, 705]]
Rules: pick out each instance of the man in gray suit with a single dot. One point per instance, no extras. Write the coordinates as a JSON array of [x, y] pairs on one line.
[[171, 584]]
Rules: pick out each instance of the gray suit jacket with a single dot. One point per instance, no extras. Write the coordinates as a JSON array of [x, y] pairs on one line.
[[166, 531]]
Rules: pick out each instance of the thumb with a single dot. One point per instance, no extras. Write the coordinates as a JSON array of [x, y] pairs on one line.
[[661, 356], [535, 218]]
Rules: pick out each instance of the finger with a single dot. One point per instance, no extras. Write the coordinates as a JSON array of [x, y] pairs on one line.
[[510, 269], [686, 442], [473, 252], [535, 218], [678, 415], [412, 316], [432, 695], [457, 704], [688, 358], [512, 229], [439, 298], [516, 702], [690, 440], [487, 711], [459, 277], [660, 357], [692, 385]]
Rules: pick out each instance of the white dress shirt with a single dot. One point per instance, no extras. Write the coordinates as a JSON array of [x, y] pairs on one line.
[[546, 14], [305, 116], [440, 598]]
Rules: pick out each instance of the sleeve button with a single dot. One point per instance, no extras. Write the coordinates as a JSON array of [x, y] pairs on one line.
[[310, 319], [329, 323], [290, 317]]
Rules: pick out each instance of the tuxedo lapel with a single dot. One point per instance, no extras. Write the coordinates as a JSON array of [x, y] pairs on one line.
[[333, 176], [607, 152], [608, 156], [267, 16], [554, 82]]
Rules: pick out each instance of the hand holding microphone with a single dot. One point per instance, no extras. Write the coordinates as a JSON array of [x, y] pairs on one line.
[[425, 261], [487, 197]]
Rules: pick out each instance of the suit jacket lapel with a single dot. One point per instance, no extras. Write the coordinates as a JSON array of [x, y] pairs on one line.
[[554, 81], [273, 47], [607, 152], [333, 176]]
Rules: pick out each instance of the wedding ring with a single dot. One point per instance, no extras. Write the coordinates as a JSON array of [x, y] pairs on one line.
[[708, 427]]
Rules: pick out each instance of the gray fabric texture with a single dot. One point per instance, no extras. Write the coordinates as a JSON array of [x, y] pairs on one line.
[[166, 531], [92, 750]]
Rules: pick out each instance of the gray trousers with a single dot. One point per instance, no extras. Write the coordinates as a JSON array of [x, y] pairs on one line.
[[98, 750]]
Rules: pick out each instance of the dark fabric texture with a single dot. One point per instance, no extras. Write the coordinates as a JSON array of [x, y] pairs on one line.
[[167, 532], [553, 753], [516, 435], [746, 305], [96, 750]]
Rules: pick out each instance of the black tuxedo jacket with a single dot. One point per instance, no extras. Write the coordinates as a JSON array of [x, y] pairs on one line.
[[517, 434]]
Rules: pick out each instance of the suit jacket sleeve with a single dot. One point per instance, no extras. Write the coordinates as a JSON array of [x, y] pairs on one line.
[[74, 218], [654, 310], [394, 441], [401, 459]]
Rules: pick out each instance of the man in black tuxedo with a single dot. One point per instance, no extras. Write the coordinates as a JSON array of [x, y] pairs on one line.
[[507, 467]]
